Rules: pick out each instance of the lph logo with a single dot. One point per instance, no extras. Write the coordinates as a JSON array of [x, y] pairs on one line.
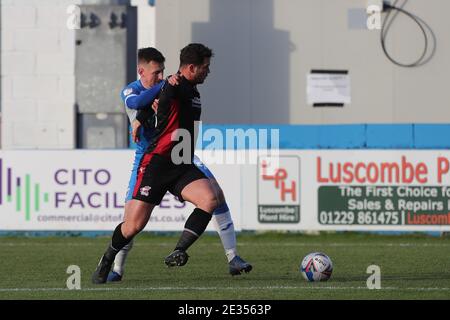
[[279, 189], [279, 178]]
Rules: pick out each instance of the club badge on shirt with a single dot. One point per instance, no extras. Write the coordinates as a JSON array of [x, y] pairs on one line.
[[127, 91], [145, 190]]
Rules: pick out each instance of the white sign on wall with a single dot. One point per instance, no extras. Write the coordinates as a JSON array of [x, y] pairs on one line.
[[278, 189], [328, 88]]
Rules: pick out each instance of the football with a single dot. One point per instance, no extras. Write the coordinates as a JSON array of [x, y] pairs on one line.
[[316, 266]]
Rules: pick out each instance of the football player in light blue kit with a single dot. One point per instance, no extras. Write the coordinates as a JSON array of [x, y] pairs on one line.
[[141, 94]]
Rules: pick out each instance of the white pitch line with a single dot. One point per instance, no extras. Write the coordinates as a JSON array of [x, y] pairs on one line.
[[218, 289], [243, 244]]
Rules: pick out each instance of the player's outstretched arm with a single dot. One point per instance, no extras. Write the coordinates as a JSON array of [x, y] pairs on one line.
[[165, 99], [144, 99]]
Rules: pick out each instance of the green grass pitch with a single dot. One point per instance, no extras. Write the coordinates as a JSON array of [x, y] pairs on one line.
[[412, 267]]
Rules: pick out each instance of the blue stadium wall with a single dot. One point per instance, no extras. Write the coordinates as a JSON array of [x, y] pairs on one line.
[[353, 136]]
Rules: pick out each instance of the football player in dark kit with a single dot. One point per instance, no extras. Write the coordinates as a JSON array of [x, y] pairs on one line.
[[167, 167], [138, 96]]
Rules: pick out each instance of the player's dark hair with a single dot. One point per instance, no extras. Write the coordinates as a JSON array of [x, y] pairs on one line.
[[150, 54], [194, 53]]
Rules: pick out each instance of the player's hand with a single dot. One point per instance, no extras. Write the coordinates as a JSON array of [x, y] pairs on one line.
[[174, 79], [135, 130], [155, 105]]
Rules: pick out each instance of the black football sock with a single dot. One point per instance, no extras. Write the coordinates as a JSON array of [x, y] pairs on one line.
[[117, 243], [193, 228]]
